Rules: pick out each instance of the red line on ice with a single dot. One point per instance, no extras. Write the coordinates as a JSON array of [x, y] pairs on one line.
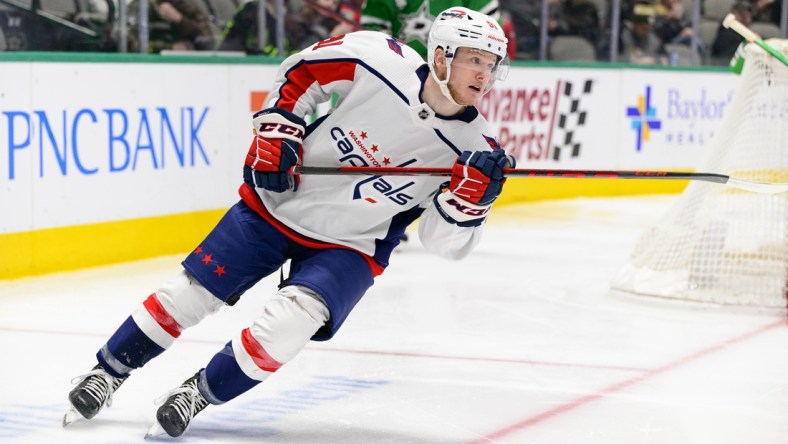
[[648, 374], [375, 352]]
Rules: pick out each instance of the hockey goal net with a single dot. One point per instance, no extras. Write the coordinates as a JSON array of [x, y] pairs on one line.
[[717, 244]]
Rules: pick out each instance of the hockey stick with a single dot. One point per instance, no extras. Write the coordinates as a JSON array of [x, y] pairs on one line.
[[731, 22], [742, 184]]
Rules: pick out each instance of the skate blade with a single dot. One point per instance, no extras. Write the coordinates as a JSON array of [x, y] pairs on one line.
[[72, 416], [155, 431]]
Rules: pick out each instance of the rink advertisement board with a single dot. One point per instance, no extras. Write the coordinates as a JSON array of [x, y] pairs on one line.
[[608, 119], [670, 118], [103, 162], [550, 118], [92, 143]]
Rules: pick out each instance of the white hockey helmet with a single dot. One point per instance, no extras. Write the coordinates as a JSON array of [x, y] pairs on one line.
[[459, 27]]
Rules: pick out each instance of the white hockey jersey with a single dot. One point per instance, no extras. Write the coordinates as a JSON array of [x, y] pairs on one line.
[[379, 120]]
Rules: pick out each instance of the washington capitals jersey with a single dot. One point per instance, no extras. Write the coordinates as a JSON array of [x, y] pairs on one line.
[[379, 119]]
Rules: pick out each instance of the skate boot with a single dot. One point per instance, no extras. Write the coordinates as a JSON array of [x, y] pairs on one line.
[[177, 411], [94, 389]]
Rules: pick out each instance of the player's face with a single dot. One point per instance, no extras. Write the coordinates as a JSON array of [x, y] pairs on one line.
[[471, 71]]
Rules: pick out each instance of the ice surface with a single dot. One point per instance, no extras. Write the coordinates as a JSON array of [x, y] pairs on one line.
[[522, 342]]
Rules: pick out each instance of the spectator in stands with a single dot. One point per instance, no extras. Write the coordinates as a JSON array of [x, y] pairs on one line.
[[410, 21], [727, 40], [581, 18], [672, 24], [526, 17], [768, 11], [639, 43], [508, 30], [99, 16], [240, 33], [321, 19], [316, 20], [174, 25], [351, 11], [628, 9]]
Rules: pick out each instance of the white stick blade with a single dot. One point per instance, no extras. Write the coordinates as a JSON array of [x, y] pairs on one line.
[[758, 187]]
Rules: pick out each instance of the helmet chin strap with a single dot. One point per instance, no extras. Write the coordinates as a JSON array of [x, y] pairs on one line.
[[444, 84]]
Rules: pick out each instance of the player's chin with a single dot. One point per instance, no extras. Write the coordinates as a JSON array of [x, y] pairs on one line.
[[472, 94]]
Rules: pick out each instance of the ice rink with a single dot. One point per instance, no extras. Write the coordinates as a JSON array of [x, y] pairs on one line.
[[523, 342]]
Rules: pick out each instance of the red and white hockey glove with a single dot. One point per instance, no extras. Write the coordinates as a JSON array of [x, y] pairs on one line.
[[477, 180], [275, 150]]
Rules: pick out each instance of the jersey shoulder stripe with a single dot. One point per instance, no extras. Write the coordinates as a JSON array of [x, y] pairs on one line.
[[307, 72]]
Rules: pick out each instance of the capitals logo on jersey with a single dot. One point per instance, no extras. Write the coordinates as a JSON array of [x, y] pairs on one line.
[[395, 45], [354, 150], [377, 187], [492, 142]]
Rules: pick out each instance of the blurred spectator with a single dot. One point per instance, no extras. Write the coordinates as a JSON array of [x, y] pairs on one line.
[[410, 21], [672, 24], [182, 25], [71, 26], [350, 10], [727, 40], [766, 11], [581, 18], [526, 17], [240, 33], [320, 20], [628, 9], [99, 16], [508, 30], [639, 43]]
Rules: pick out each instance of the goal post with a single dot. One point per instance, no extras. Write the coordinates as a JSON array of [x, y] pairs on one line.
[[718, 244]]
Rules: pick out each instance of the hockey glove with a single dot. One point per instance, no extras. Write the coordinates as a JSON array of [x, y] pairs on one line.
[[477, 180], [275, 150], [477, 176]]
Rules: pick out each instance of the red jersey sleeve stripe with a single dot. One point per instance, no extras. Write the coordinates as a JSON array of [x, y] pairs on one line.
[[305, 74], [160, 315], [258, 354]]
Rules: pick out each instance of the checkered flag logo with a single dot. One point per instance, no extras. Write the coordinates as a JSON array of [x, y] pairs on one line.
[[571, 117]]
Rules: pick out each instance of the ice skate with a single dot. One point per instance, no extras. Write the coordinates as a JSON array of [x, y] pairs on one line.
[[94, 389], [177, 411]]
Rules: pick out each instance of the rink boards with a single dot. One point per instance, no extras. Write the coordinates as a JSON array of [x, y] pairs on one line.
[[109, 158]]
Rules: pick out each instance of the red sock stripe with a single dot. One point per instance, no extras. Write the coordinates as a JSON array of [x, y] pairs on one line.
[[161, 316], [260, 357]]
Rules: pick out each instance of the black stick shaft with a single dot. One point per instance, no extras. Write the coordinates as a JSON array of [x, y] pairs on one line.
[[518, 172]]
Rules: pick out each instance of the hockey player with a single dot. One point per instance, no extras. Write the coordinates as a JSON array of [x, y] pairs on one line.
[[411, 20], [337, 231]]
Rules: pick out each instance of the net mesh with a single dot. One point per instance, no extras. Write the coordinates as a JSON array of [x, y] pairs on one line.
[[718, 244]]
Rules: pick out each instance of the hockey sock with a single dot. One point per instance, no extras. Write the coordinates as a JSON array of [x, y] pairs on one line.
[[128, 348]]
